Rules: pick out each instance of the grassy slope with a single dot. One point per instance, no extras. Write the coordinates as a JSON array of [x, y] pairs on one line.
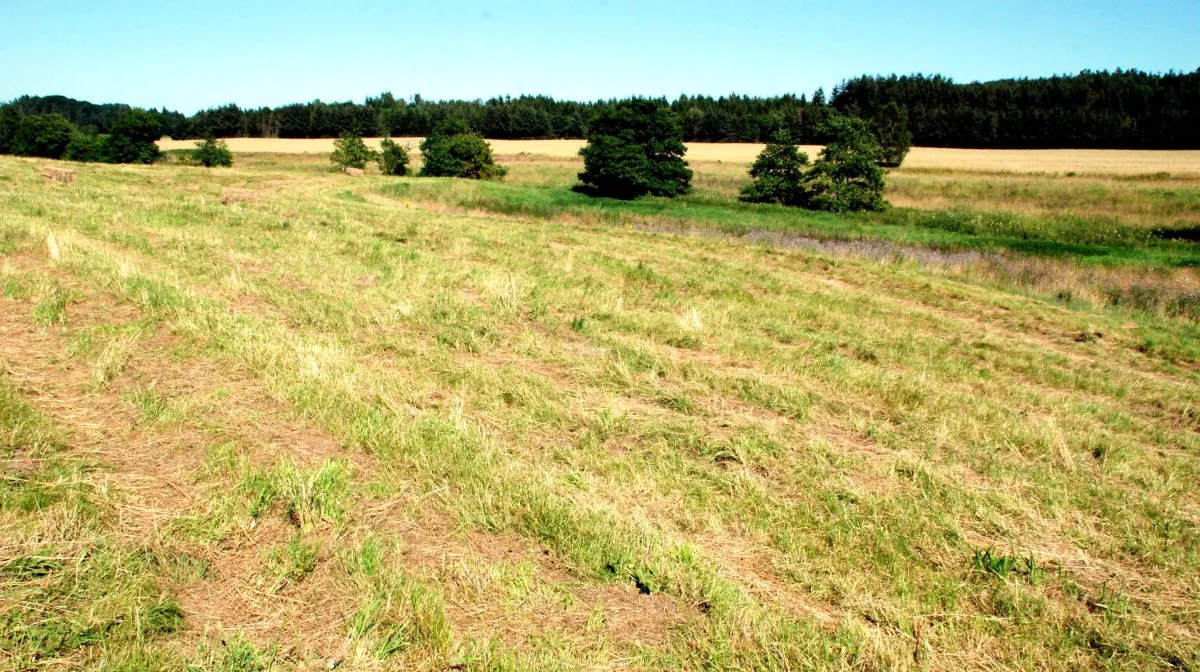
[[317, 427]]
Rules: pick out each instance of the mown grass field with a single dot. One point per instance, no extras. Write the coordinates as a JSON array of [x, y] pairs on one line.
[[410, 423]]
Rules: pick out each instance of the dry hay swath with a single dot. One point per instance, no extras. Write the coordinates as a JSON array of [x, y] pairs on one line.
[[229, 196], [58, 174]]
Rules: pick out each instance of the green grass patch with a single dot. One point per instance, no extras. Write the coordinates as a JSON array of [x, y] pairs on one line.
[[1089, 239]]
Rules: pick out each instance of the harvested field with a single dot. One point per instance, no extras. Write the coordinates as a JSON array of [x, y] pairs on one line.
[[1083, 161], [270, 417]]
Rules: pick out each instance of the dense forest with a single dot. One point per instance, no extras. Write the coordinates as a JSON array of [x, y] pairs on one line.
[[1128, 110], [1122, 109]]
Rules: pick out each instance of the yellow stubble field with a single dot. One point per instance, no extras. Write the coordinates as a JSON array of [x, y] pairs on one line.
[[1083, 161]]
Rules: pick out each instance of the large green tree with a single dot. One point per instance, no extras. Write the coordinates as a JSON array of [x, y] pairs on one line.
[[635, 147], [133, 138], [847, 176], [42, 135]]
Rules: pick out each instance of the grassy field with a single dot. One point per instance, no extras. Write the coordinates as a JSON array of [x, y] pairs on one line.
[[411, 423]]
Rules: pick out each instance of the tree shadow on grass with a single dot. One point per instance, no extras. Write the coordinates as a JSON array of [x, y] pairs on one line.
[[1190, 234]]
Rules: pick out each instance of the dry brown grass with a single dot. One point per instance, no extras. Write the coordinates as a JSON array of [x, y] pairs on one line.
[[229, 196], [1098, 161], [1087, 161]]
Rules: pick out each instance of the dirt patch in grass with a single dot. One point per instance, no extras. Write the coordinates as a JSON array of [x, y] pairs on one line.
[[241, 596], [616, 614], [231, 196], [746, 566], [434, 540], [631, 616], [505, 586]]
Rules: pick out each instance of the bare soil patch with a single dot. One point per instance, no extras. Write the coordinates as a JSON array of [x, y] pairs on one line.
[[463, 561]]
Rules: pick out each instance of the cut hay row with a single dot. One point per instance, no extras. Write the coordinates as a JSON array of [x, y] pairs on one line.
[[58, 174]]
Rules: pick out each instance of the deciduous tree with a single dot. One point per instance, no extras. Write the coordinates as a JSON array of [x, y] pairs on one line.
[[393, 158], [133, 138], [10, 118], [85, 147], [890, 126], [349, 151], [42, 135], [211, 152], [454, 150]]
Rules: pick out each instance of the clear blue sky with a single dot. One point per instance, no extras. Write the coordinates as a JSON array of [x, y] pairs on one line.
[[192, 55]]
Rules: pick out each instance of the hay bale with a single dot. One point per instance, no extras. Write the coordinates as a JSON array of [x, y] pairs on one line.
[[229, 196], [353, 171], [58, 175]]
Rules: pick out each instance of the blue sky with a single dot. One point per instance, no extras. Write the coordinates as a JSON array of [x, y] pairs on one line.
[[192, 55]]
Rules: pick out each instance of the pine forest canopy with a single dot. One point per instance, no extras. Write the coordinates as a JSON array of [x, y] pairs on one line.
[[1121, 109]]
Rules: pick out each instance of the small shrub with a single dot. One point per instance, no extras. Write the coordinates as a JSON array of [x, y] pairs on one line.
[[42, 135], [211, 152], [349, 151], [777, 173], [454, 150], [393, 159], [635, 148]]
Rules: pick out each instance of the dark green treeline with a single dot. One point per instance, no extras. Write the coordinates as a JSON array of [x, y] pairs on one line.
[[1122, 109]]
